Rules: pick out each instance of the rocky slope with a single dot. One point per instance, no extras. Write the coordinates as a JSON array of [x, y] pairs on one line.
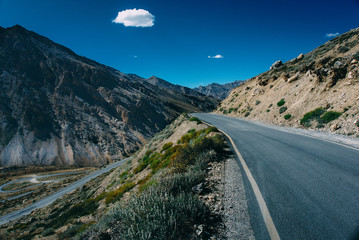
[[58, 108], [317, 90], [219, 91]]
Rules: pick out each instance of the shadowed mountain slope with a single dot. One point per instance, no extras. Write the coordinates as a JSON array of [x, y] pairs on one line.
[[58, 108]]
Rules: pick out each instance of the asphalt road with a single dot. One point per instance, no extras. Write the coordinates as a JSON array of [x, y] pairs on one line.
[[310, 186], [48, 200]]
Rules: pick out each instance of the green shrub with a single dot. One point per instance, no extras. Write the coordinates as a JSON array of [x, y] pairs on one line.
[[287, 116], [224, 111], [123, 175], [211, 129], [230, 110], [118, 193], [181, 183], [330, 116], [315, 114], [282, 110], [143, 181], [100, 197], [267, 110], [258, 102], [357, 123], [191, 130], [140, 167], [188, 154], [195, 119], [281, 102], [167, 146], [247, 114]]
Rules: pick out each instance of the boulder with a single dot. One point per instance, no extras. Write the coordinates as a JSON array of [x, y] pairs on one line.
[[277, 64], [295, 77], [338, 64], [301, 56]]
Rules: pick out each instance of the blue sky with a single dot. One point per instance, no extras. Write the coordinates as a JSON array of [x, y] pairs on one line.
[[250, 35]]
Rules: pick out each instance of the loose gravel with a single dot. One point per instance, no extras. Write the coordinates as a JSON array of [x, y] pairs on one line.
[[236, 215]]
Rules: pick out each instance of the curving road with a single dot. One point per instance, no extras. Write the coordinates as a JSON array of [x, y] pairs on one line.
[[310, 186], [48, 200]]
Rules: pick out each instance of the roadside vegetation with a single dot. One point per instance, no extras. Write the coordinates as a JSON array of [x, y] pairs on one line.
[[320, 115], [165, 205]]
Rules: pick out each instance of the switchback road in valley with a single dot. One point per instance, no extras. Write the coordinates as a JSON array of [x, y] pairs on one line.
[[48, 200], [309, 187]]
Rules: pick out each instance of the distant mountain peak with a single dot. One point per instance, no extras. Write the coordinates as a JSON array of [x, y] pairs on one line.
[[219, 91]]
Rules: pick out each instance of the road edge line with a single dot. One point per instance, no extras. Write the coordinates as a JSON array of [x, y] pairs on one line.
[[272, 230]]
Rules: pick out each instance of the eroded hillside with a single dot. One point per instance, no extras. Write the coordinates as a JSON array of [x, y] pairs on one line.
[[318, 90]]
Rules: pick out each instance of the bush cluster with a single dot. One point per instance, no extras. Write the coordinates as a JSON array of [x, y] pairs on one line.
[[166, 207], [195, 119], [330, 116], [315, 114], [320, 115]]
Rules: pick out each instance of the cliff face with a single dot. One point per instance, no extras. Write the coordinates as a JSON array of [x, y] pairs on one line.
[[317, 90], [57, 108]]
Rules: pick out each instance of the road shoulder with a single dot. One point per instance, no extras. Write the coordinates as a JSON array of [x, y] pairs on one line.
[[236, 214]]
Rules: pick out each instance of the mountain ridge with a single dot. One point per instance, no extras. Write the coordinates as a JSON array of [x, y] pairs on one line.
[[217, 90]]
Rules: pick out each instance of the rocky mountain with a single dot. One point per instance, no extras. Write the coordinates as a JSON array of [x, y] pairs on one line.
[[57, 108], [163, 84], [219, 91], [317, 90]]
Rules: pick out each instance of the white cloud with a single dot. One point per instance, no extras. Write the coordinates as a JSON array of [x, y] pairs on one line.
[[216, 56], [329, 35], [135, 18]]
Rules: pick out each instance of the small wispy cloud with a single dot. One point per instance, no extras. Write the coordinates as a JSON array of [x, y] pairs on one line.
[[135, 18], [216, 56], [135, 56], [330, 35]]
